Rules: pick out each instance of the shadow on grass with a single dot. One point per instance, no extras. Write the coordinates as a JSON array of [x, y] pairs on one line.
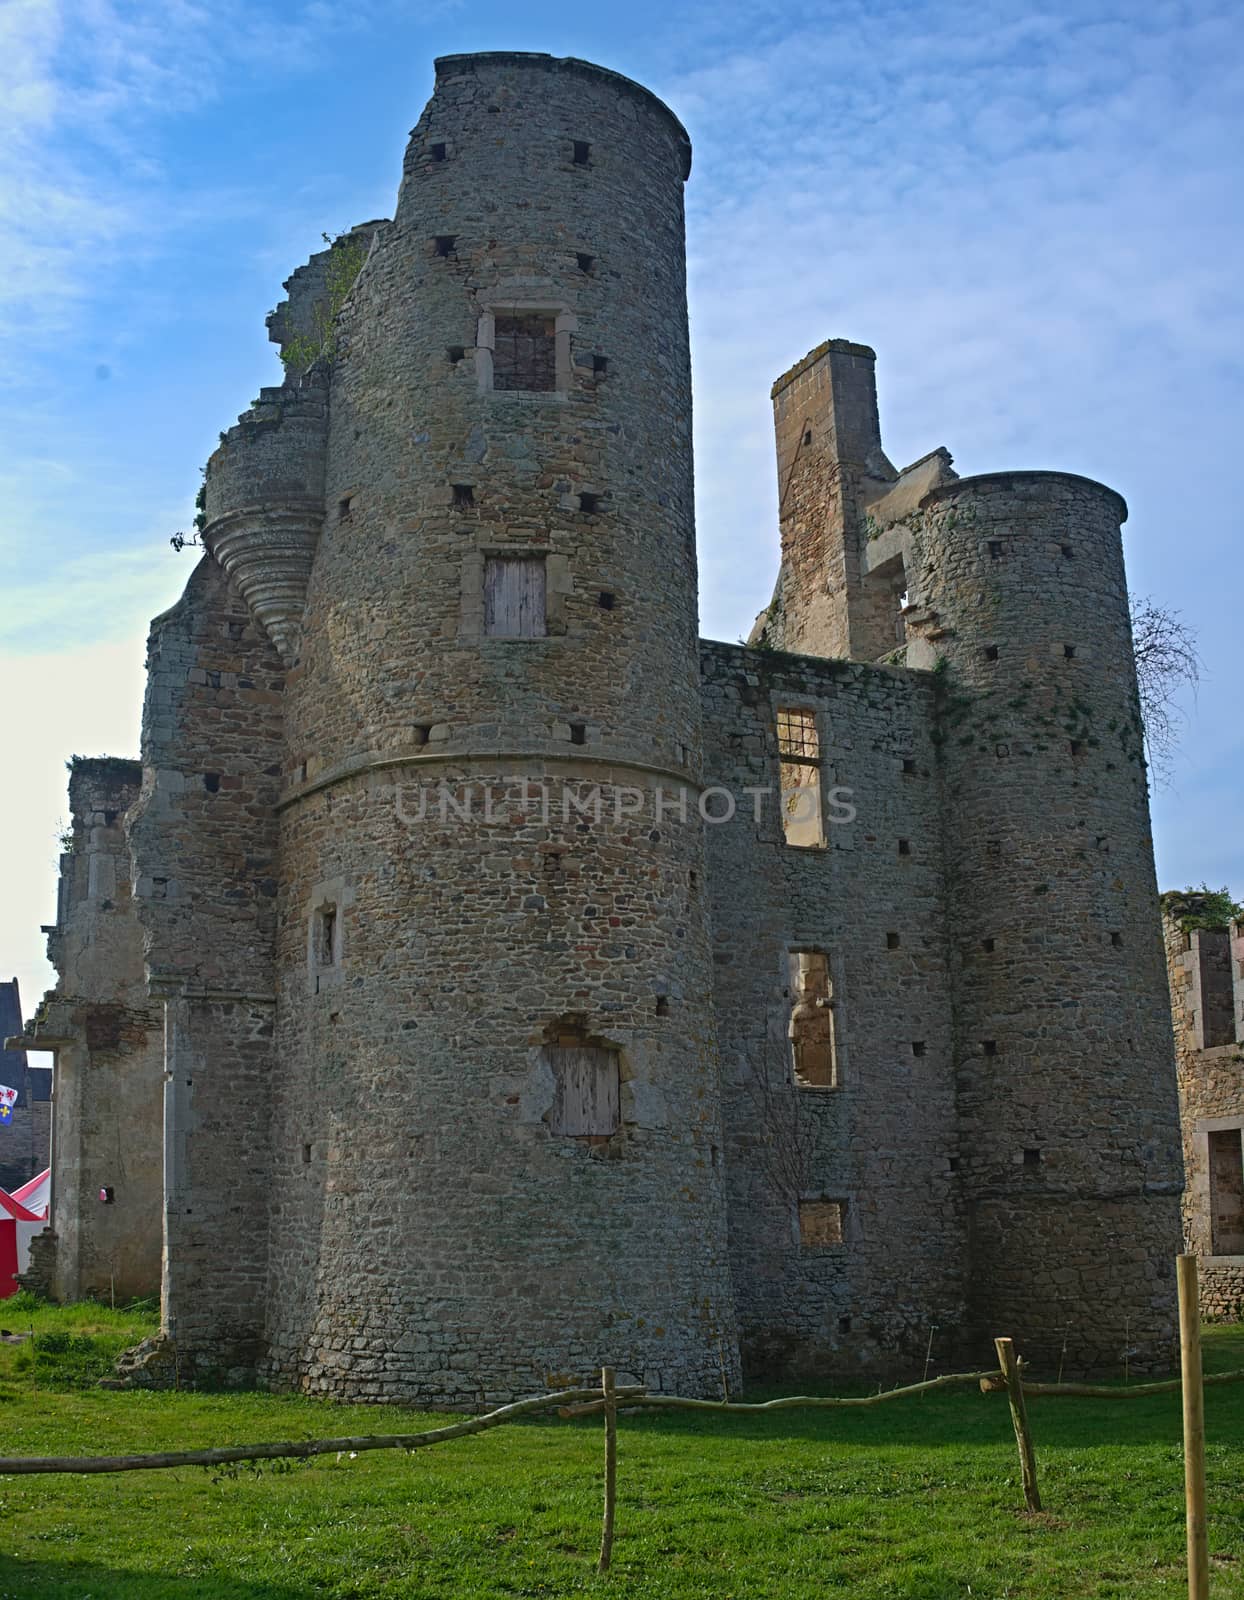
[[73, 1580]]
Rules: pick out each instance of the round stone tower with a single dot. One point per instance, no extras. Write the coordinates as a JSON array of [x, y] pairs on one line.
[[1070, 1154], [496, 1117]]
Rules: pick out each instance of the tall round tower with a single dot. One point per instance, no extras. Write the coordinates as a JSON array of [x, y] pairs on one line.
[[496, 1125], [1070, 1163]]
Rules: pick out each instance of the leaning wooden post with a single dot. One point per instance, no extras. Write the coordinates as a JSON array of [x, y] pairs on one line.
[[1019, 1416], [1194, 1427], [611, 1467]]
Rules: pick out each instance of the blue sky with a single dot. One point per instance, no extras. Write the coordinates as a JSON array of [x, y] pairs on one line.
[[1033, 215]]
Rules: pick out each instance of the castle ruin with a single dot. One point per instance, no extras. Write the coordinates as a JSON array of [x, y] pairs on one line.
[[540, 986]]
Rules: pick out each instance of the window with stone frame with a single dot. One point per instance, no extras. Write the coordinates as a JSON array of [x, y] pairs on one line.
[[325, 936], [821, 1223], [1226, 1192], [799, 754], [515, 597], [813, 1047], [524, 351]]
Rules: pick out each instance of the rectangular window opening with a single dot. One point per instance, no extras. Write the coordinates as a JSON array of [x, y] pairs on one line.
[[909, 765], [514, 597], [326, 936], [995, 549], [211, 782], [446, 244], [800, 777], [1032, 1158], [606, 600], [600, 365], [587, 1091], [1226, 1192], [991, 652], [892, 941], [589, 503], [524, 353], [1069, 652], [811, 1025], [586, 262], [455, 353], [820, 1223], [438, 152], [464, 495], [345, 507], [578, 733], [904, 847], [917, 1047], [582, 153]]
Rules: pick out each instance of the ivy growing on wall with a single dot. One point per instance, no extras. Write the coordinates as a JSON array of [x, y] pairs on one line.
[[345, 261]]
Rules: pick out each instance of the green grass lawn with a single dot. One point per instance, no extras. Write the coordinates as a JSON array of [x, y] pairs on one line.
[[918, 1499]]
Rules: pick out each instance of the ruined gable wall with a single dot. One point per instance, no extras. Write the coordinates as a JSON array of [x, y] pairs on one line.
[[886, 1139], [203, 837], [106, 1036]]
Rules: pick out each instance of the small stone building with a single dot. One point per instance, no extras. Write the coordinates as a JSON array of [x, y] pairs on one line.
[[536, 985], [1205, 962]]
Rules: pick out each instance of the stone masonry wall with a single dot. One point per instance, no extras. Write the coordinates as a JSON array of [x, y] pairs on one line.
[[203, 837], [106, 1036], [885, 1139]]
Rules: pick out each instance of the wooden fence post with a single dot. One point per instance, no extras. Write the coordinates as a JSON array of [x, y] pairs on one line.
[[1019, 1416], [1194, 1427], [611, 1467]]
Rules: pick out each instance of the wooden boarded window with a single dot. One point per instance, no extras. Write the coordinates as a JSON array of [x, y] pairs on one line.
[[514, 597], [587, 1098], [524, 351], [820, 1223], [1226, 1192]]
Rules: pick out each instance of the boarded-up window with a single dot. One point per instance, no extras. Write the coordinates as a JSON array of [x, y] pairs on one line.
[[820, 1223], [514, 597], [811, 1030], [524, 351], [800, 752], [587, 1098], [1226, 1192]]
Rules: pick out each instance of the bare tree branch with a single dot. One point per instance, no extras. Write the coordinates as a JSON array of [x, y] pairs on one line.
[[1167, 661]]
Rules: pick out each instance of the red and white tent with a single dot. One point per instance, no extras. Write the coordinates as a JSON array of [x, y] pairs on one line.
[[22, 1214]]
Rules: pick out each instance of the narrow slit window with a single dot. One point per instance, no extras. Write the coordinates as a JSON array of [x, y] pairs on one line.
[[514, 597], [524, 353], [326, 936], [587, 1091], [811, 1027], [800, 776], [582, 153], [820, 1223]]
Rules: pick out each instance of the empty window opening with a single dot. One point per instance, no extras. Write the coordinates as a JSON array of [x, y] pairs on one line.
[[715, 1155], [1068, 552], [326, 936], [892, 941], [587, 1091], [455, 353], [586, 262], [807, 438], [345, 507], [995, 549], [917, 1047], [988, 946], [1032, 1158], [1213, 996], [524, 351], [993, 847], [211, 782], [589, 502], [991, 652], [1076, 746], [1116, 939], [107, 1195], [446, 244], [1069, 652], [438, 152], [420, 732], [904, 847], [952, 1163], [578, 733], [820, 1223], [663, 1005], [989, 1047], [600, 365], [693, 880], [811, 1026], [464, 495], [1226, 1192], [605, 600], [909, 764], [844, 1324], [582, 153], [799, 753], [514, 597], [306, 1154]]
